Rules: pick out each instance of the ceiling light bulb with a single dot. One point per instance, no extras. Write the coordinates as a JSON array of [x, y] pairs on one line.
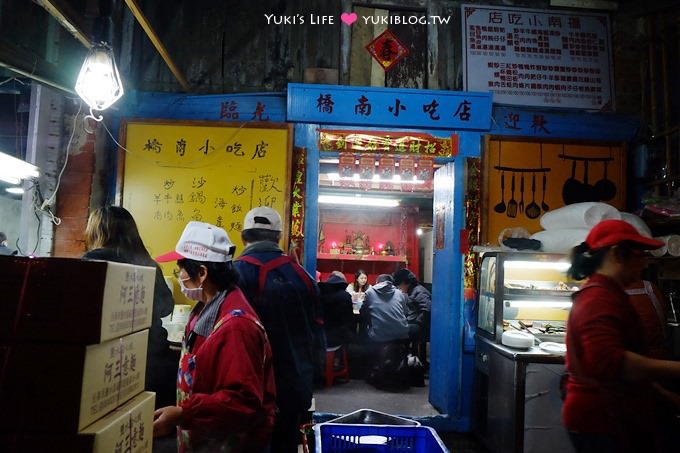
[[99, 83]]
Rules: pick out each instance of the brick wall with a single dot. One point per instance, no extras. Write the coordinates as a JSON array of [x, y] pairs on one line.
[[73, 197]]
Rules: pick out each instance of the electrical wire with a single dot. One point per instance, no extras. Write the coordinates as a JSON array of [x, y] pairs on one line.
[[184, 164], [46, 205], [36, 209], [11, 79]]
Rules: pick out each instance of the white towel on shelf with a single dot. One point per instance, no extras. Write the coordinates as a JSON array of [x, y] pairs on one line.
[[661, 251], [579, 215], [560, 240], [672, 242], [637, 222]]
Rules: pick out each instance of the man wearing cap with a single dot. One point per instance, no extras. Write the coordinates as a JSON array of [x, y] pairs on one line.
[[286, 298], [225, 384], [611, 393]]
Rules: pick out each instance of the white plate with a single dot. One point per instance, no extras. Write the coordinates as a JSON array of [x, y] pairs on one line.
[[517, 339], [553, 348]]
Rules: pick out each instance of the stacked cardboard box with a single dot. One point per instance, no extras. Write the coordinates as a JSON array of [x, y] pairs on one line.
[[73, 344], [126, 429]]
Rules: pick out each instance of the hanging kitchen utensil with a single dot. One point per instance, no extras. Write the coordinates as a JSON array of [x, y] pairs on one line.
[[521, 195], [571, 191], [606, 190], [512, 204], [544, 205], [588, 192], [500, 207], [533, 210]]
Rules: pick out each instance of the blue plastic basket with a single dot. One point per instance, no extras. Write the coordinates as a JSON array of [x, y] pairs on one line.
[[332, 438]]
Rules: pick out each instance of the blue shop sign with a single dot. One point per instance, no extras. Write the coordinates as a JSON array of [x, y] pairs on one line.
[[563, 124], [389, 107]]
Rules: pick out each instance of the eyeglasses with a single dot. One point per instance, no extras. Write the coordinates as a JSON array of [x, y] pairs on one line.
[[177, 272], [640, 253]]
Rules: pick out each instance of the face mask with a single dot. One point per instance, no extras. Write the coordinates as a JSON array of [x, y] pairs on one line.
[[191, 293]]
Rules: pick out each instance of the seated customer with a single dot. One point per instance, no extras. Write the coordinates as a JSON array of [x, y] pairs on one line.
[[384, 309], [358, 288], [336, 304], [419, 304]]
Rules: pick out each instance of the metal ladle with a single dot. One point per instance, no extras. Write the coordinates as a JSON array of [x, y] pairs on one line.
[[544, 205]]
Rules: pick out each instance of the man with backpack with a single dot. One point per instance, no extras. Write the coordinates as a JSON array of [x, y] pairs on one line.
[[286, 298]]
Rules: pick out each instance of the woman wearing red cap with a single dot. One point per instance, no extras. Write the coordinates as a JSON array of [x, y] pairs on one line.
[[611, 396]]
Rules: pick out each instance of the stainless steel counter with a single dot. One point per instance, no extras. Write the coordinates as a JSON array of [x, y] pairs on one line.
[[533, 354], [517, 405]]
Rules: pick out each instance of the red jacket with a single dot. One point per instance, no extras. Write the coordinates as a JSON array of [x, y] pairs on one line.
[[602, 326], [233, 389]]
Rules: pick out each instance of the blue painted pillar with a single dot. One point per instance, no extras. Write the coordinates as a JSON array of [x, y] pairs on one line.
[[306, 137]]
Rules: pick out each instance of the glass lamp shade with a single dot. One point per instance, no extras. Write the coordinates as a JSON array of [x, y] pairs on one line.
[[99, 83]]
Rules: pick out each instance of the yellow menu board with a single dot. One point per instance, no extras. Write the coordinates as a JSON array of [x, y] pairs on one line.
[[172, 172]]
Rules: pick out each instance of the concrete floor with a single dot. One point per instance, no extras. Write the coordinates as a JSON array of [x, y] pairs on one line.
[[343, 398]]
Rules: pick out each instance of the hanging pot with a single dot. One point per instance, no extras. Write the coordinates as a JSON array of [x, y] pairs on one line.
[[571, 191], [606, 190]]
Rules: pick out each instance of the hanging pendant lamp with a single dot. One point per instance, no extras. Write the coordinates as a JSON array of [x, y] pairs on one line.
[[99, 83]]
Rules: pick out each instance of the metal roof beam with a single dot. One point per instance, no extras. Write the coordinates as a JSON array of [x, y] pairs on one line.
[[68, 19], [155, 40], [32, 66]]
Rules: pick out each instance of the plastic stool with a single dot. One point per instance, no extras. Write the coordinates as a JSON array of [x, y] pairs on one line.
[[331, 372]]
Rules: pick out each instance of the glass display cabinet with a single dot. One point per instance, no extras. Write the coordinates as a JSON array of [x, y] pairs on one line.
[[517, 405], [525, 291]]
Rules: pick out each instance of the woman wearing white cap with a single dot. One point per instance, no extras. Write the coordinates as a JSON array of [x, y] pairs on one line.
[[225, 385], [611, 396]]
